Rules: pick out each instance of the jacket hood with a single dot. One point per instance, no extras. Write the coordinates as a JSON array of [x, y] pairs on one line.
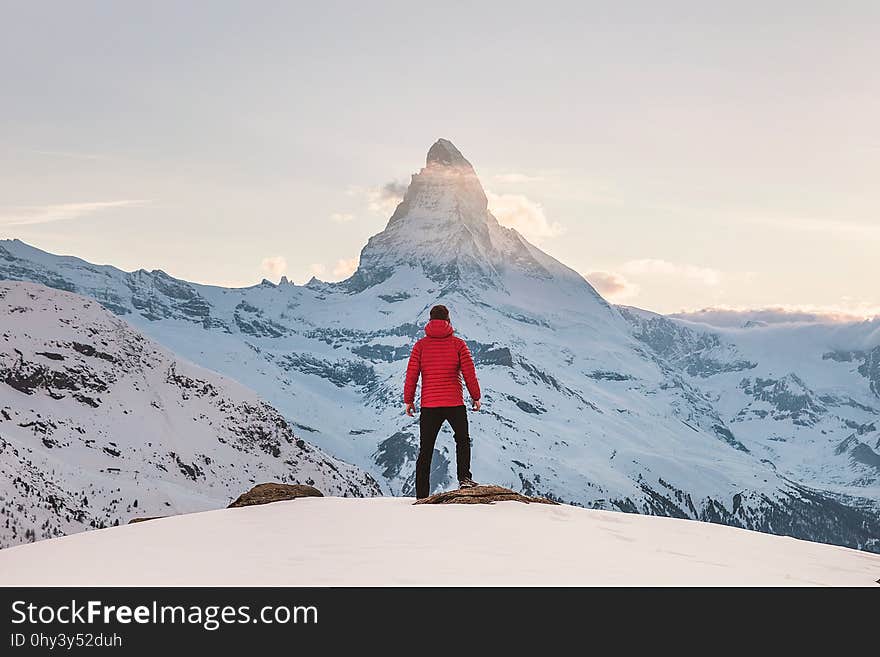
[[439, 328]]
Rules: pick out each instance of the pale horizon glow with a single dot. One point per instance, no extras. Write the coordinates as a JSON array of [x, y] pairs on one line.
[[43, 214], [681, 157]]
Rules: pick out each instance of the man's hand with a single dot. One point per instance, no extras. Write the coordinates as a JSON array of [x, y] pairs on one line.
[[410, 409], [476, 405]]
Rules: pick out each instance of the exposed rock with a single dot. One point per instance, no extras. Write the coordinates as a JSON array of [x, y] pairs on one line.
[[134, 520], [274, 492], [481, 495], [396, 452], [699, 353], [444, 152]]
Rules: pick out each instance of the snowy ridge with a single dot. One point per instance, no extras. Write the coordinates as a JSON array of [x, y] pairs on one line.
[[604, 407], [98, 425], [803, 397], [390, 542]]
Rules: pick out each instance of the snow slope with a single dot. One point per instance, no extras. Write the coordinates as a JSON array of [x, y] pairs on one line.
[[388, 541], [804, 397], [600, 406], [98, 424]]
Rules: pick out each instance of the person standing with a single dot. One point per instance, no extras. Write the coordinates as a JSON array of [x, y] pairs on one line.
[[442, 360]]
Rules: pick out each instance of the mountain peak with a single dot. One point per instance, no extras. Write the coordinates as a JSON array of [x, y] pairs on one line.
[[444, 152], [444, 228]]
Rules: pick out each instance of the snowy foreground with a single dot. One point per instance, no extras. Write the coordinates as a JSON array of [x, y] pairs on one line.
[[388, 541]]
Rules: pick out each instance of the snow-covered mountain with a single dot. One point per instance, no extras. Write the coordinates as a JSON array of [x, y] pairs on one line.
[[804, 397], [390, 542], [98, 424], [600, 406]]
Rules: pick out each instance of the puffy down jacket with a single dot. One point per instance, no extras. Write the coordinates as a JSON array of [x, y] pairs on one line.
[[441, 359]]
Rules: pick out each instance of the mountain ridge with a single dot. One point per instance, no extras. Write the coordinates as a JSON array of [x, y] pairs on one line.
[[98, 423]]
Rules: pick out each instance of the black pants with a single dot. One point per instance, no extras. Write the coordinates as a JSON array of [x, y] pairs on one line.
[[430, 421]]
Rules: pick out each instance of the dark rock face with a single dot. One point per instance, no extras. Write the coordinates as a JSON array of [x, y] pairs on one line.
[[689, 350], [526, 407], [842, 356], [481, 495], [365, 278], [863, 454], [250, 320], [490, 354], [791, 398], [14, 268], [438, 478], [340, 373], [136, 520], [601, 375], [274, 492], [444, 152], [870, 369], [727, 436], [394, 298], [29, 376], [382, 352], [395, 452]]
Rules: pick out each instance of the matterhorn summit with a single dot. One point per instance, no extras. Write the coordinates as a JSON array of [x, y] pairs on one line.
[[443, 230], [444, 152]]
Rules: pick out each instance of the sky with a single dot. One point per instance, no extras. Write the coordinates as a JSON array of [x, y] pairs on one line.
[[680, 155]]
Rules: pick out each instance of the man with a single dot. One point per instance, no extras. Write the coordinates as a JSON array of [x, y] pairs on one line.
[[441, 359]]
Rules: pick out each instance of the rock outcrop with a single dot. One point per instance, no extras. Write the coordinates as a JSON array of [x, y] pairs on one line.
[[481, 495], [136, 520], [274, 492]]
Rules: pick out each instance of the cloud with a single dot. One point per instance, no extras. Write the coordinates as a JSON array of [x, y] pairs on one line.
[[345, 268], [25, 215], [516, 178], [732, 316], [703, 275], [341, 217], [317, 270], [521, 213], [613, 286], [384, 200], [513, 210], [274, 266]]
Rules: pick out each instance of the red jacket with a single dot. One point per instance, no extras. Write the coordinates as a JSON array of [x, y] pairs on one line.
[[441, 359]]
